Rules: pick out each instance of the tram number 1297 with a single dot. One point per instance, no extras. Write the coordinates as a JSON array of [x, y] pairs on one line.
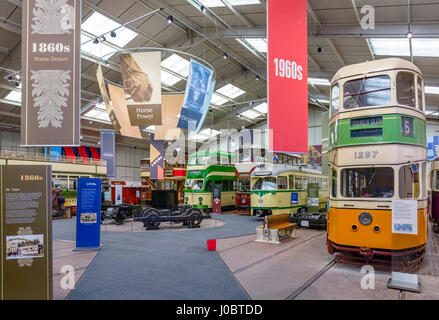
[[365, 155]]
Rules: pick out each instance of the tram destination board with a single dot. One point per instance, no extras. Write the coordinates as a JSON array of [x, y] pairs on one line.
[[26, 235], [376, 132], [366, 121]]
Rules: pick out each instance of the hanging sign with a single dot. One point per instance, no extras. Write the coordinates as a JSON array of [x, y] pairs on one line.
[[88, 214], [197, 97], [171, 109], [287, 76], [106, 99], [51, 66], [156, 156], [141, 76], [108, 151], [26, 232]]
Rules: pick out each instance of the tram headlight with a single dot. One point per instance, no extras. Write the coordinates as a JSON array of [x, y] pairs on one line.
[[365, 218], [200, 200], [260, 201]]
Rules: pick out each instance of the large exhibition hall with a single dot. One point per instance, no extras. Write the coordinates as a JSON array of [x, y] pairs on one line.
[[219, 150]]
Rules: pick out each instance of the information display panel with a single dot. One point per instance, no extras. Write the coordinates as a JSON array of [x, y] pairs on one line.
[[26, 232]]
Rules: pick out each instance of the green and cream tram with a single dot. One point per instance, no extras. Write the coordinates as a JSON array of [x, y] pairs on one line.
[[377, 157], [279, 188], [205, 170]]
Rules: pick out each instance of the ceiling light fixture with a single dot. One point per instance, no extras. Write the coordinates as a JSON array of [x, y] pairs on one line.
[[170, 19], [96, 41], [203, 9], [225, 55], [113, 34], [258, 77], [409, 34]]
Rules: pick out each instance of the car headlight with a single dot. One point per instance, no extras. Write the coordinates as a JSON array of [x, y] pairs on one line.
[[365, 218]]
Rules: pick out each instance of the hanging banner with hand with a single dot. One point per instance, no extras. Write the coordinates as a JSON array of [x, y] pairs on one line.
[[51, 73], [141, 76], [287, 64], [197, 97], [106, 99]]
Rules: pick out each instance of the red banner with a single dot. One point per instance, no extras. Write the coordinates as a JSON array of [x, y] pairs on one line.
[[287, 76]]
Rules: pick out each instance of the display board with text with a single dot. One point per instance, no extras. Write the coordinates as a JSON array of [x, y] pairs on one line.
[[26, 232]]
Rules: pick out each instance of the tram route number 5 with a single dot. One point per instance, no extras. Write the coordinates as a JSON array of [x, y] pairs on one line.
[[288, 69], [365, 155]]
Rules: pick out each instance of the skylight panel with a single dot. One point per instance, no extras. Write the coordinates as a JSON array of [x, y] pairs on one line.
[[260, 44], [219, 3], [98, 24], [177, 64], [99, 50], [262, 108], [250, 114], [425, 47], [199, 137], [97, 115], [210, 132], [14, 96], [319, 82], [390, 47], [229, 90], [218, 100], [431, 90], [168, 78]]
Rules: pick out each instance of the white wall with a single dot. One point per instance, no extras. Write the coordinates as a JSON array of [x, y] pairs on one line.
[[128, 163], [11, 141], [432, 128]]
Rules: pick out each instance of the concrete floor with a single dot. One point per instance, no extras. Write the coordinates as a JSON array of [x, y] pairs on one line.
[[177, 265], [270, 271]]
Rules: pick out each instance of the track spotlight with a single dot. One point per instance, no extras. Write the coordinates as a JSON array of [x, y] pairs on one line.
[[234, 107], [9, 78], [319, 49], [170, 19], [103, 39], [113, 34], [203, 9], [210, 110], [409, 34], [225, 55], [252, 103], [96, 41], [17, 84], [258, 77], [107, 63]]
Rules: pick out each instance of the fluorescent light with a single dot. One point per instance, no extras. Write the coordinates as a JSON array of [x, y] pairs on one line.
[[218, 100], [431, 90], [14, 96], [230, 91], [210, 132], [390, 47], [319, 82], [219, 3], [425, 47], [262, 108], [98, 24], [250, 114], [168, 78], [260, 44], [176, 64]]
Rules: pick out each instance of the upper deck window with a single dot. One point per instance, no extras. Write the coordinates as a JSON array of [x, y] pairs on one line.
[[405, 89], [335, 94], [366, 92], [420, 95]]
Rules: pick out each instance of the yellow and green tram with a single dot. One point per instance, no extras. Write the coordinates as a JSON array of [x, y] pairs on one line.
[[279, 188], [205, 170], [377, 157]]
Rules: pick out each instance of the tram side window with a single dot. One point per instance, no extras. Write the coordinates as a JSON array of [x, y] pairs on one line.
[[198, 185], [291, 181], [298, 182], [405, 89], [408, 183], [419, 85], [305, 183], [365, 92], [335, 95], [266, 183], [367, 183], [209, 186], [282, 183], [437, 179]]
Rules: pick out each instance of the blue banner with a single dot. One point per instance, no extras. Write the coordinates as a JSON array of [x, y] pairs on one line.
[[88, 214], [55, 153], [199, 92], [108, 151]]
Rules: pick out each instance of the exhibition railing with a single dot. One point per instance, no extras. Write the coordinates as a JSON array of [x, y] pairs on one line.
[[31, 156]]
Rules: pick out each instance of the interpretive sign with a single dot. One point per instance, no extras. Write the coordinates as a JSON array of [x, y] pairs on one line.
[[51, 67], [313, 197], [287, 64], [405, 216], [88, 214], [26, 232]]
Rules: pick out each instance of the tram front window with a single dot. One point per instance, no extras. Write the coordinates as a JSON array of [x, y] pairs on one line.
[[267, 184], [197, 185], [365, 92], [367, 183], [405, 88], [335, 94]]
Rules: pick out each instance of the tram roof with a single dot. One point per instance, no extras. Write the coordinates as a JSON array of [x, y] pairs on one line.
[[374, 66], [277, 169]]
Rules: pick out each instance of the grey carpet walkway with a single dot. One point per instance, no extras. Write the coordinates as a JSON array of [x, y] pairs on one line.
[[160, 264]]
